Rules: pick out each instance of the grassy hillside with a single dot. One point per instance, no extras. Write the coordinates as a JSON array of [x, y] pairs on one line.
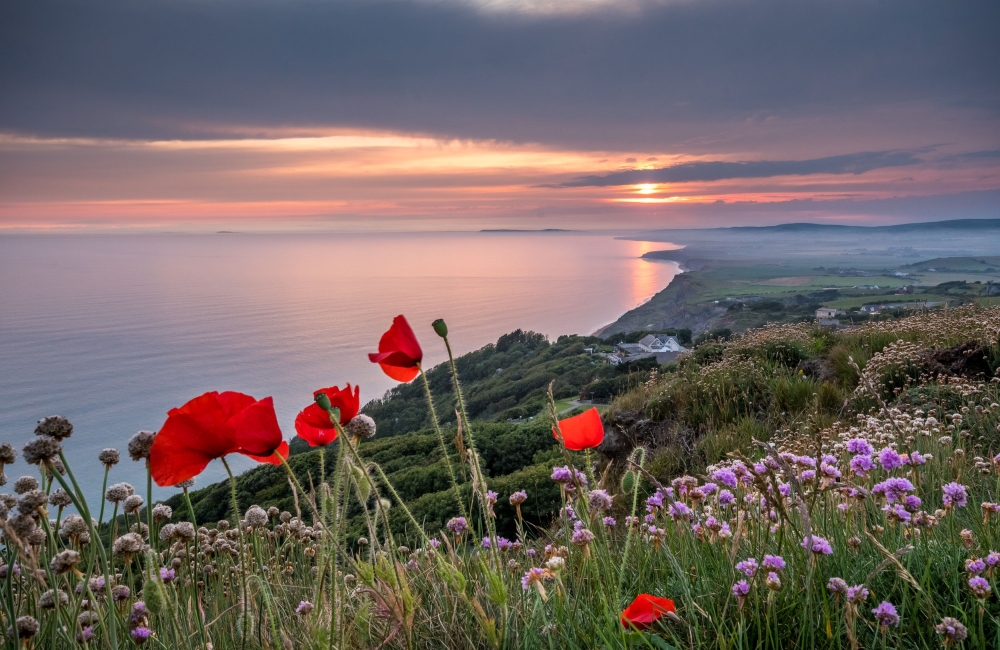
[[688, 415], [869, 519], [506, 380]]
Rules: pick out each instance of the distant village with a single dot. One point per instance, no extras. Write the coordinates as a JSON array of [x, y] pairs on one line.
[[662, 348]]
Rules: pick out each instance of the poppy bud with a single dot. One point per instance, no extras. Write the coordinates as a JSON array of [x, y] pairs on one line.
[[440, 327], [323, 401]]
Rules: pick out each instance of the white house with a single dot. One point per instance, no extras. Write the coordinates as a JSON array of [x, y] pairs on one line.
[[657, 344], [825, 312], [630, 349]]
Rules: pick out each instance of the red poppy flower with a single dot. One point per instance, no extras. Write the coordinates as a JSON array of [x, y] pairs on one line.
[[313, 423], [399, 354], [584, 431], [211, 426], [646, 609]]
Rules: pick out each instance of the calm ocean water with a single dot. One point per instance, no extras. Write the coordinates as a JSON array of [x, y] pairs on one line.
[[114, 330]]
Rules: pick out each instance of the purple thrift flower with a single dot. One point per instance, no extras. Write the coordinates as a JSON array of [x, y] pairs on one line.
[[860, 446], [992, 558], [533, 575], [837, 586], [829, 471], [808, 476], [304, 608], [893, 489], [911, 503], [709, 489], [725, 476], [654, 501], [504, 544], [568, 512], [139, 613], [457, 525], [857, 594], [890, 459], [741, 589], [786, 489], [897, 512], [819, 545], [519, 497], [980, 587], [562, 474], [886, 614], [435, 542], [861, 464], [582, 537], [915, 458], [975, 566], [726, 497], [167, 575], [680, 511], [141, 634], [748, 567], [609, 521], [954, 495], [599, 499], [774, 562], [486, 542]]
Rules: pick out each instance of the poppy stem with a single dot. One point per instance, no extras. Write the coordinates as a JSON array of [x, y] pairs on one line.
[[149, 505], [490, 527], [243, 552], [444, 447], [194, 522]]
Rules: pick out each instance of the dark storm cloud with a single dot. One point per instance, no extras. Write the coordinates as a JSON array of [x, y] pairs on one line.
[[972, 156], [856, 163], [663, 74]]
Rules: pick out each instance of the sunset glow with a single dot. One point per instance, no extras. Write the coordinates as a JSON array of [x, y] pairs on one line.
[[254, 129]]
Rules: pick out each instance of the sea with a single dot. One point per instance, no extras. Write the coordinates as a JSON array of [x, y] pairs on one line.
[[112, 330]]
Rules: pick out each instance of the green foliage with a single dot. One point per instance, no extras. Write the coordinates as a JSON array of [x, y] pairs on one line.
[[505, 380]]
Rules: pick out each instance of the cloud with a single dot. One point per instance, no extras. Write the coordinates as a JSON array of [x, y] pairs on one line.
[[855, 163], [656, 77], [973, 156]]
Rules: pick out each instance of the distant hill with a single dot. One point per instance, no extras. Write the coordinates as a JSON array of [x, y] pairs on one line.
[[953, 224], [960, 264]]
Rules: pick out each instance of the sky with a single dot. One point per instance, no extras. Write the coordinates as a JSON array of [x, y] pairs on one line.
[[467, 114]]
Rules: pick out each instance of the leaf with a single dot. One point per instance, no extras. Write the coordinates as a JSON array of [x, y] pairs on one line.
[[660, 643]]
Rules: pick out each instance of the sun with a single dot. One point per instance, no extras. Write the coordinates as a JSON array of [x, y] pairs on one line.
[[646, 188]]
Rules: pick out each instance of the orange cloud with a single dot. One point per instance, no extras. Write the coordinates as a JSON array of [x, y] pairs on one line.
[[376, 178]]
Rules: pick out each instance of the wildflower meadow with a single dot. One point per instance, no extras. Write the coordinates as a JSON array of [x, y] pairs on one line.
[[874, 522]]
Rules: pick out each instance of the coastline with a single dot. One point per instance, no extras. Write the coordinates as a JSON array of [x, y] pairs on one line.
[[681, 269]]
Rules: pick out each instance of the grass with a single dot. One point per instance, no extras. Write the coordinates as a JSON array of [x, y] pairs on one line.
[[267, 578]]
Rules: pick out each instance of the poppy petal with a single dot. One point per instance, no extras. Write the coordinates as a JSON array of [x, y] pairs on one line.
[[403, 375], [584, 431], [313, 425], [400, 337], [344, 399], [392, 358], [398, 348], [256, 428], [644, 610], [272, 459], [184, 447]]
